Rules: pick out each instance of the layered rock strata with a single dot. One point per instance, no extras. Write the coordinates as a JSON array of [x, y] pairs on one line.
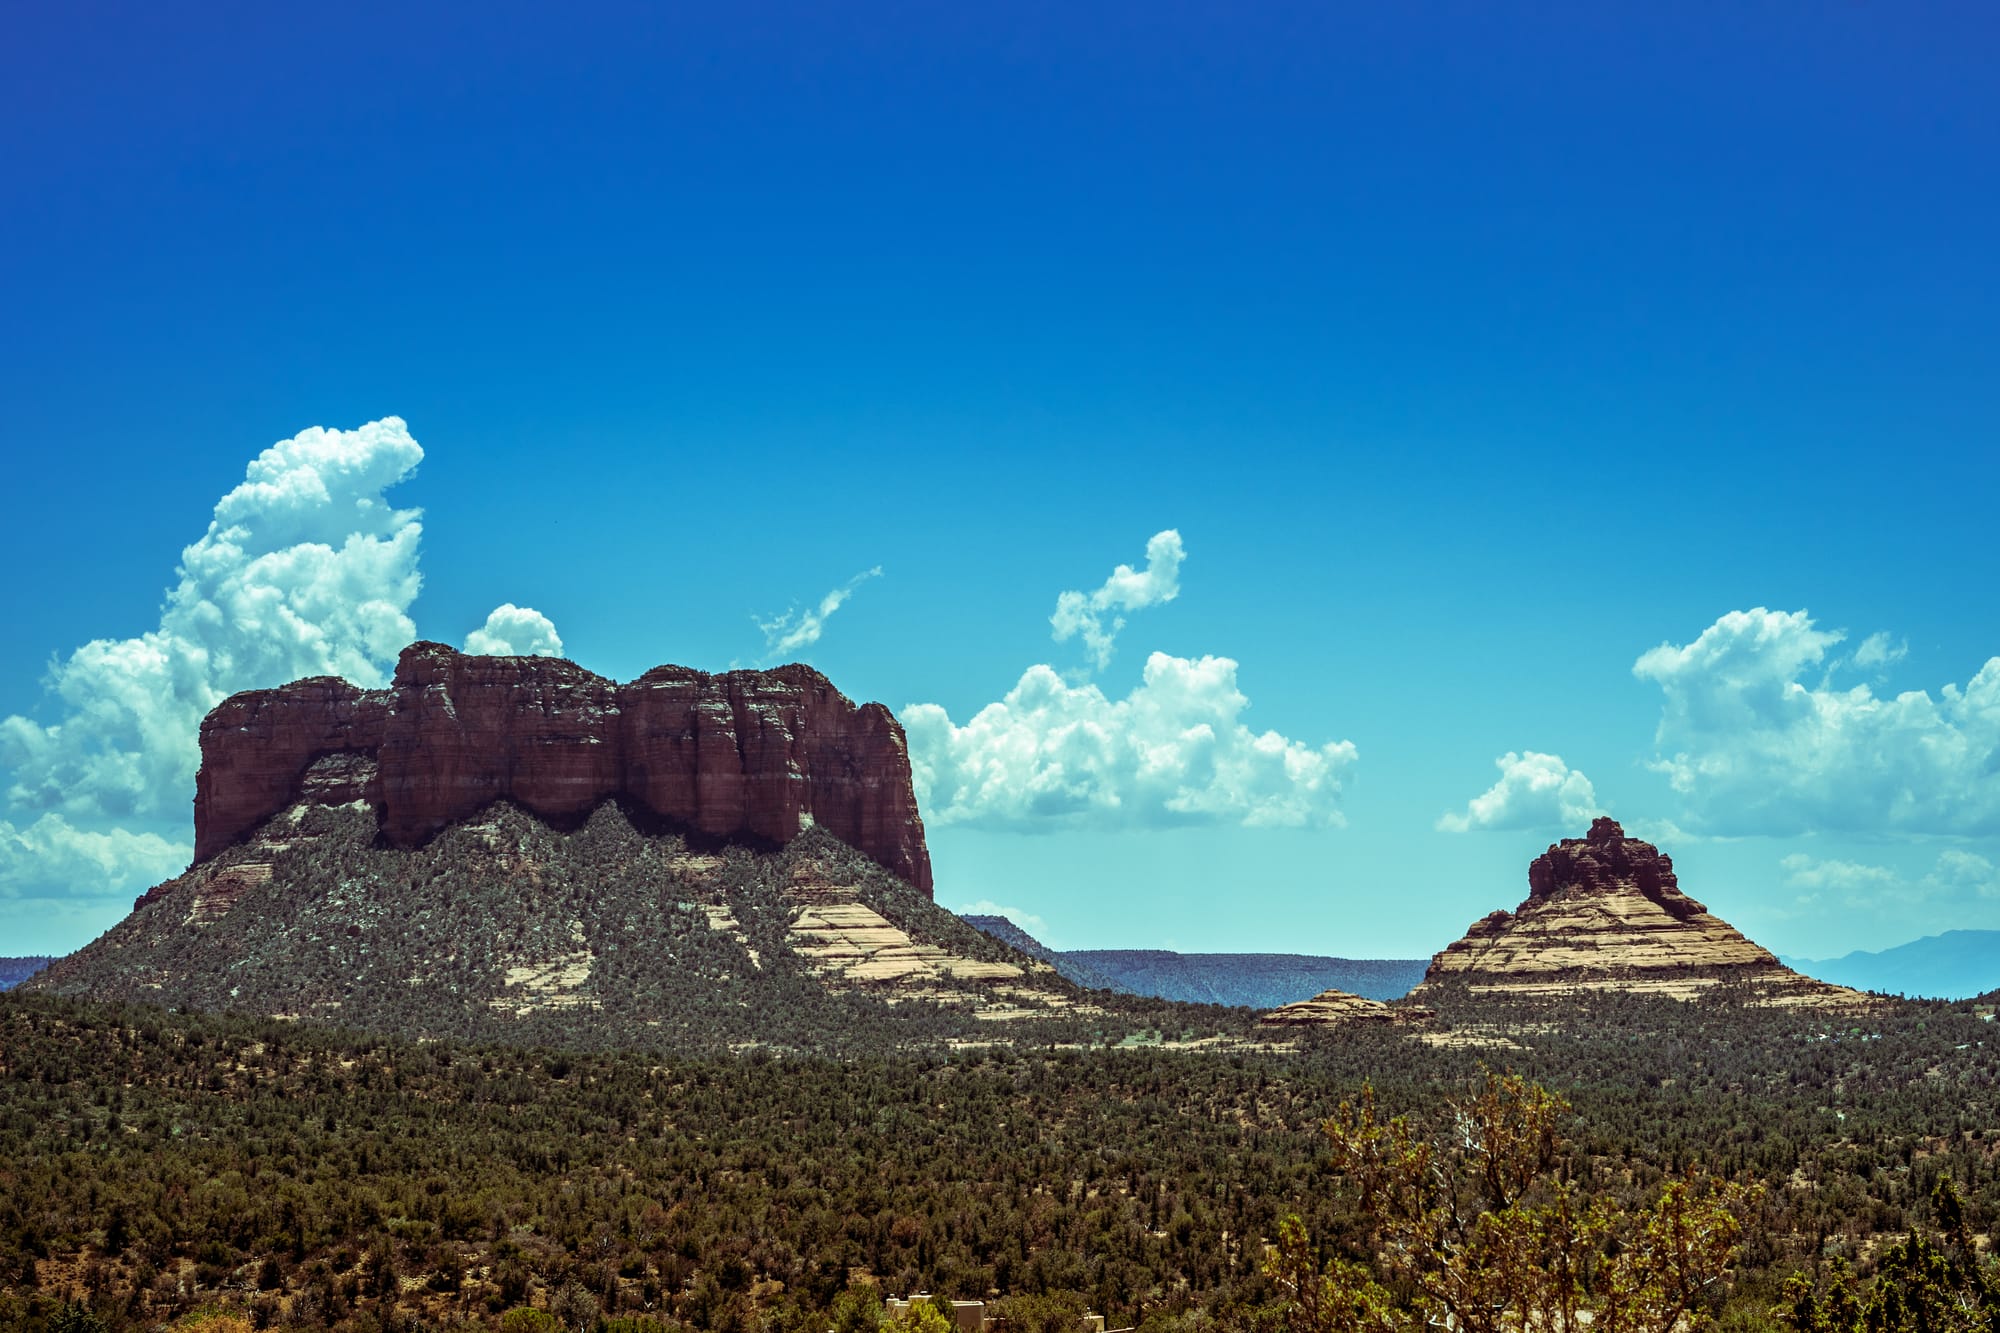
[[1606, 912], [1332, 1008], [743, 754]]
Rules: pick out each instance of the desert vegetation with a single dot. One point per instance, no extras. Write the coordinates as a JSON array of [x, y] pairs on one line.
[[161, 1166]]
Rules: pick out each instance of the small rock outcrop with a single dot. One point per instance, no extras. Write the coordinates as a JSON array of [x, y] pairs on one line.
[[1335, 1008], [743, 754], [1605, 912]]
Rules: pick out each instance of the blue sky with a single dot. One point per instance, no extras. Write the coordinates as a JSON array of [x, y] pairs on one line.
[[1473, 357]]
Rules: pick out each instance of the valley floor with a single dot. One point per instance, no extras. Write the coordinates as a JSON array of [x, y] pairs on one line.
[[156, 1164]]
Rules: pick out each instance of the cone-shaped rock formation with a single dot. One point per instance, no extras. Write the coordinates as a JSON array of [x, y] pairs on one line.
[[1605, 912]]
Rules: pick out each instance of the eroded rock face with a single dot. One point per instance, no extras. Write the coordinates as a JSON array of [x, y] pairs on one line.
[[1605, 912], [760, 754]]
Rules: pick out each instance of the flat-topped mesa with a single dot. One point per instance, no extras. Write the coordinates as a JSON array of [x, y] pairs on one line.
[[1605, 912], [756, 754]]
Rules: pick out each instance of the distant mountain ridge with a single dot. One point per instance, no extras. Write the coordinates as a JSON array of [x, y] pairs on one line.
[[1004, 930], [1956, 965], [1252, 980], [1258, 980], [14, 971]]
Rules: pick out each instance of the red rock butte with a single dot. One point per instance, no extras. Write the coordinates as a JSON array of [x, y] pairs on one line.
[[742, 754], [1606, 912]]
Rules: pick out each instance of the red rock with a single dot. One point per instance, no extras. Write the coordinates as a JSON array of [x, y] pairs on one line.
[[758, 754], [256, 747], [462, 732], [1606, 861]]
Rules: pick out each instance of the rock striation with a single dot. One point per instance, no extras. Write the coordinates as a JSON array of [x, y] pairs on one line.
[[1335, 1008], [1605, 912], [758, 755]]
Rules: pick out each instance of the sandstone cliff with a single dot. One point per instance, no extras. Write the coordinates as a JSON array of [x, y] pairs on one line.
[[1605, 912], [760, 755]]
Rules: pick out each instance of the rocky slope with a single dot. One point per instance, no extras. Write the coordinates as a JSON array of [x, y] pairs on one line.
[[504, 927], [747, 754], [1605, 913]]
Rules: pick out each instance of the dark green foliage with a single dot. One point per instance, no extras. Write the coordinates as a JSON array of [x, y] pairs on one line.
[[1923, 1283], [75, 1317], [749, 1194]]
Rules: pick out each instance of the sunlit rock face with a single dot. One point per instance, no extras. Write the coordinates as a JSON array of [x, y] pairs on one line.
[[1605, 912], [743, 754]]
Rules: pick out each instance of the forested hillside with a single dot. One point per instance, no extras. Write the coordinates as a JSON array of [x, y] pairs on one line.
[[156, 1163]]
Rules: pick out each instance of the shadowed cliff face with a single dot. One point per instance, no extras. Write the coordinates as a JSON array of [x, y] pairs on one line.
[[757, 754]]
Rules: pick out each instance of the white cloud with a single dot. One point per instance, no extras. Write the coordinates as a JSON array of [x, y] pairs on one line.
[[1753, 748], [1815, 875], [51, 858], [1958, 877], [1051, 755], [798, 629], [1535, 791], [1095, 615], [1966, 872], [515, 631], [305, 570], [1880, 650]]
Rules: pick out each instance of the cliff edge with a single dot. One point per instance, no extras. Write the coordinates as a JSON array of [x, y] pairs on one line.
[[759, 755]]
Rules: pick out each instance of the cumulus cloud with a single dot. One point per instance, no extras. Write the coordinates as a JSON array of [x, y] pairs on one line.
[[1958, 877], [798, 629], [1816, 875], [1880, 650], [515, 631], [305, 570], [1535, 791], [1755, 745], [1096, 615], [52, 858], [1174, 751], [1968, 871]]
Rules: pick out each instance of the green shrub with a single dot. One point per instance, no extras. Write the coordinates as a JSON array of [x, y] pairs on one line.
[[525, 1320]]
